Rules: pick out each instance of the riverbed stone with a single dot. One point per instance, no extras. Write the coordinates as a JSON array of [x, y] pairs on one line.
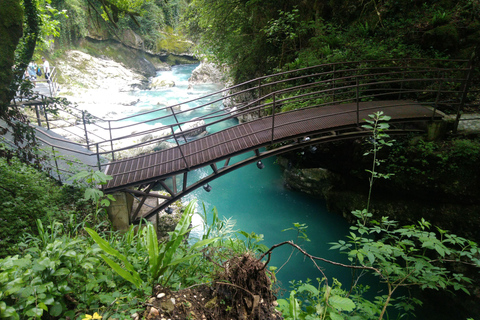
[[207, 72], [161, 83]]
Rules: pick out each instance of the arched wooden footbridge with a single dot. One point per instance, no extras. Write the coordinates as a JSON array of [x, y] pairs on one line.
[[277, 114]]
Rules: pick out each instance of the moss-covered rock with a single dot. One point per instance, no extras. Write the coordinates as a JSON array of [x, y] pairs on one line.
[[443, 38]]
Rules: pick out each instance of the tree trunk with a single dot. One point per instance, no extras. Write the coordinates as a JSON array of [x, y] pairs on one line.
[[11, 30]]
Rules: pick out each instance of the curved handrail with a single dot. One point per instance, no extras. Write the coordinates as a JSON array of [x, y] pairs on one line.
[[320, 85]]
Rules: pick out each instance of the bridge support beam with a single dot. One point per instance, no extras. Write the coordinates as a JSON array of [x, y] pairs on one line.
[[119, 211], [436, 130]]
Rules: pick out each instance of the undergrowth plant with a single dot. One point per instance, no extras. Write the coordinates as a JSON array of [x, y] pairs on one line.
[[90, 180], [163, 258], [26, 195], [60, 275]]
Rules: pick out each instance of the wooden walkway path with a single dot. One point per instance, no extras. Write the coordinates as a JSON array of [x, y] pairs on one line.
[[254, 135]]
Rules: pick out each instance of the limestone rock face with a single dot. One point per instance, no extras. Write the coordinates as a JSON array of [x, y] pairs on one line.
[[236, 104], [313, 181], [207, 72], [81, 70], [197, 126], [131, 39]]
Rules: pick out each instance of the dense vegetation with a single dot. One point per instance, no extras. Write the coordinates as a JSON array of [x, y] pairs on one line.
[[258, 37]]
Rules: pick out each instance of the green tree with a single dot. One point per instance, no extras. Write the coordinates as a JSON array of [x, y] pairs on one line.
[[248, 36]]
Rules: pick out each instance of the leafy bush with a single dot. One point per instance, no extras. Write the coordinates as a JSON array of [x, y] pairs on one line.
[[434, 161], [60, 275], [26, 195]]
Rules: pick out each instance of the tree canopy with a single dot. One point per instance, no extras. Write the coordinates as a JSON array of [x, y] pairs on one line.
[[259, 37]]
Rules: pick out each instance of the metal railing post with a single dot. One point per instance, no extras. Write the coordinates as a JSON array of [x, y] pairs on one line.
[[401, 86], [39, 121], [259, 97], [56, 164], [46, 115], [178, 146], [85, 129], [273, 117], [333, 83], [111, 139], [438, 96], [465, 88], [358, 100], [179, 127], [98, 157]]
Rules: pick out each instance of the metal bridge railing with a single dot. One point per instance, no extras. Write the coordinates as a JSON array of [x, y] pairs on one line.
[[441, 84]]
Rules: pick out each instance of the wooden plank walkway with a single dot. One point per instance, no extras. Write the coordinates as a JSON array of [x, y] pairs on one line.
[[253, 135]]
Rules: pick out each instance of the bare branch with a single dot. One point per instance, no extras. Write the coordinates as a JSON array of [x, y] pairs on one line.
[[316, 258]]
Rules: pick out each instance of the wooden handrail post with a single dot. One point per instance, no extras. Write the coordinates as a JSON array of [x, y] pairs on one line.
[[85, 129], [178, 146], [273, 117]]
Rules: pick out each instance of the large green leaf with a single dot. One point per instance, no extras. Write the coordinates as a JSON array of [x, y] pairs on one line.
[[179, 233], [133, 278], [152, 246], [203, 242], [8, 312], [341, 303], [336, 316], [56, 309], [105, 246], [294, 306], [183, 259], [308, 287]]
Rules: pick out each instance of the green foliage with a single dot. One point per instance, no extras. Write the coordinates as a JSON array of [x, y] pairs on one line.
[[26, 195], [436, 163], [259, 37], [92, 179], [408, 256], [59, 275], [163, 258], [439, 17], [401, 257], [75, 24], [321, 302]]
